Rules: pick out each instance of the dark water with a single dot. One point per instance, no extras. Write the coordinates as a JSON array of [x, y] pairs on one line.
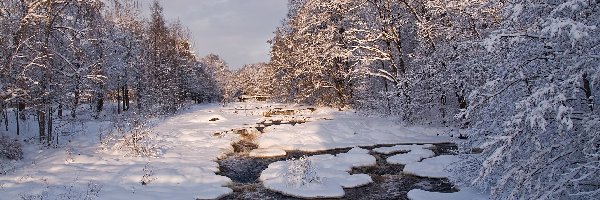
[[388, 180], [242, 168]]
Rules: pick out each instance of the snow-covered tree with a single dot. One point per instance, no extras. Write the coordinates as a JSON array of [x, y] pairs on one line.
[[519, 76], [543, 141], [62, 56], [310, 54], [254, 79], [224, 87]]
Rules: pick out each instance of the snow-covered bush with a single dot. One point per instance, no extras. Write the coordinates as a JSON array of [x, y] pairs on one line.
[[10, 149], [301, 172], [135, 139]]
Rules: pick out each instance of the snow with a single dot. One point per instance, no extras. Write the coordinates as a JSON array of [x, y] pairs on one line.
[[517, 9], [184, 166], [413, 156], [328, 175], [574, 29], [431, 167], [463, 194], [436, 168], [265, 153], [184, 169], [490, 41], [358, 150], [415, 153], [401, 148], [571, 5], [347, 129]]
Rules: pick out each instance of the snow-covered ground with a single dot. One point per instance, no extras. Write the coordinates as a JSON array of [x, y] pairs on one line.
[[190, 143], [330, 129], [184, 169]]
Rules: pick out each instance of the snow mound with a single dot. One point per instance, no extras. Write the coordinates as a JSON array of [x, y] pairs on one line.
[[358, 150], [431, 167], [320, 176], [413, 156], [401, 148], [464, 194], [266, 153]]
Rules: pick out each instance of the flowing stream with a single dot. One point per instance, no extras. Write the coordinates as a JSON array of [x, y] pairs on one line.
[[388, 180]]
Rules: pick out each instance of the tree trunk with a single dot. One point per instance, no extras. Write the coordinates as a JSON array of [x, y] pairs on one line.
[[42, 124], [47, 78], [125, 98], [138, 95], [49, 134], [119, 101], [408, 102], [386, 87], [387, 97], [443, 108], [17, 119], [99, 104], [5, 114], [60, 110], [588, 91], [75, 103], [462, 102], [21, 108]]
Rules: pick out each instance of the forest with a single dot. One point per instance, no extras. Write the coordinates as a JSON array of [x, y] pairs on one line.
[[519, 78], [516, 80]]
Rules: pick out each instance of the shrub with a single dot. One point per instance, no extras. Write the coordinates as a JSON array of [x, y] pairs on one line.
[[301, 172], [10, 149], [135, 139]]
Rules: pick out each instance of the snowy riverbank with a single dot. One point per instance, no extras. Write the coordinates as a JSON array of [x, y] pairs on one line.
[[188, 146]]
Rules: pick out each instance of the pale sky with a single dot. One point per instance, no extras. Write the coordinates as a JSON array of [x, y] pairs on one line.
[[236, 30]]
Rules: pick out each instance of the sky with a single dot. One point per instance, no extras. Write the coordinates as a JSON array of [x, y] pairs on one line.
[[236, 30]]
